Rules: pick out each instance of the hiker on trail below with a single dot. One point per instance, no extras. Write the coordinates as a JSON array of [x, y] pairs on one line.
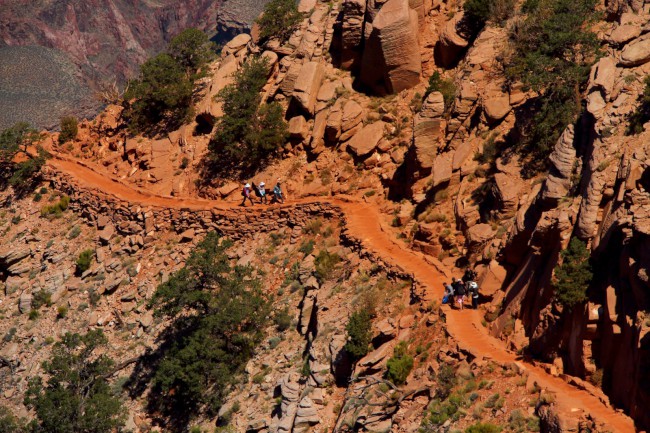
[[472, 289], [277, 193], [246, 193], [261, 189], [459, 292], [448, 298]]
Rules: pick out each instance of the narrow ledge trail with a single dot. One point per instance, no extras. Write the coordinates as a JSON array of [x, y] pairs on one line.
[[363, 222]]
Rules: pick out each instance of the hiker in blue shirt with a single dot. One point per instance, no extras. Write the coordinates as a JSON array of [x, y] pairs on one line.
[[277, 193]]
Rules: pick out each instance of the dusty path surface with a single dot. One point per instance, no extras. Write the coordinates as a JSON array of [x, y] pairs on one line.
[[363, 221]]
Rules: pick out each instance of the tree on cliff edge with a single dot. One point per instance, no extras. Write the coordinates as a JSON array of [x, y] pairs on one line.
[[573, 276], [279, 19], [21, 159]]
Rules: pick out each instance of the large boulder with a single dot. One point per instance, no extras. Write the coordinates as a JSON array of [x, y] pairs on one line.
[[353, 12], [351, 120], [391, 58], [451, 45], [365, 141], [604, 74], [427, 137], [496, 107], [635, 53], [307, 84]]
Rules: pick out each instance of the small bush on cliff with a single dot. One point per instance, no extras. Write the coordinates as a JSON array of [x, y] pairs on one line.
[[218, 314], [400, 365], [573, 276], [56, 210], [9, 423], [483, 428], [69, 129], [444, 86], [279, 19], [248, 132], [19, 165], [552, 53], [478, 12], [359, 333], [642, 113], [75, 396], [162, 93], [84, 260]]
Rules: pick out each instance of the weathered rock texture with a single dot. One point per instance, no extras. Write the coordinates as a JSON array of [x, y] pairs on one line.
[[391, 57]]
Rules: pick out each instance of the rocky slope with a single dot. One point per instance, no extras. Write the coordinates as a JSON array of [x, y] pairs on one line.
[[352, 80], [106, 40]]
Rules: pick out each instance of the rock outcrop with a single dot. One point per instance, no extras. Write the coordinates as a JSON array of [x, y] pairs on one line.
[[391, 56]]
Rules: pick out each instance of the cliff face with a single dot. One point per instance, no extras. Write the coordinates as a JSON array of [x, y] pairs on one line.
[[106, 40]]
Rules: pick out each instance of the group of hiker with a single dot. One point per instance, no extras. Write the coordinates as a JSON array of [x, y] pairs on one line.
[[458, 290], [260, 192]]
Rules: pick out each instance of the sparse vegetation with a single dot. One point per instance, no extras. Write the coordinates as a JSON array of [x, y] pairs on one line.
[[573, 276], [325, 263], [69, 129], [400, 365], [56, 210], [19, 167], [642, 113], [84, 260], [439, 84]]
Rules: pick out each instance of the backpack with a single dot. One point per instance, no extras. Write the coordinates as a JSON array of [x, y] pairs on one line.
[[460, 290], [243, 192]]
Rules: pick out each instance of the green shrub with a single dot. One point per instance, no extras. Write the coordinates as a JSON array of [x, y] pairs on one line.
[[41, 298], [37, 197], [478, 12], [192, 50], [218, 313], [76, 396], [553, 49], [359, 333], [642, 113], [14, 144], [69, 129], [444, 86], [33, 314], [162, 93], [483, 428], [573, 276], [446, 380], [325, 263], [400, 365], [282, 319], [274, 342], [61, 311], [9, 423], [74, 233], [247, 132], [307, 247], [84, 260], [56, 209], [279, 19]]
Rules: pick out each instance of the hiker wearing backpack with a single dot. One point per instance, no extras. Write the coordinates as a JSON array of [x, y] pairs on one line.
[[469, 275], [277, 193], [448, 297], [472, 288], [261, 190], [459, 292], [246, 193]]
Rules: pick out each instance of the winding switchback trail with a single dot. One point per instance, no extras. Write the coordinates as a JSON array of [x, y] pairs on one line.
[[363, 222]]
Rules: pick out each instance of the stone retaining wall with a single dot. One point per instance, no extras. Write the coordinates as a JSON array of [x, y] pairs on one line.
[[235, 223]]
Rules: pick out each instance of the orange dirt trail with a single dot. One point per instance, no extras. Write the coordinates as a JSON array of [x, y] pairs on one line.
[[364, 223]]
